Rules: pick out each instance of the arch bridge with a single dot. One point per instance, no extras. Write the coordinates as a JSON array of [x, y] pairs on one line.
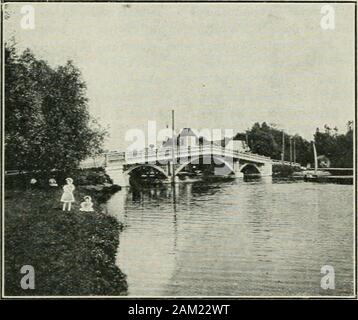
[[170, 163]]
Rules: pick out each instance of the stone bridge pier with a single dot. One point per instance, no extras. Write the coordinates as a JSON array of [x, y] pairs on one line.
[[266, 170]]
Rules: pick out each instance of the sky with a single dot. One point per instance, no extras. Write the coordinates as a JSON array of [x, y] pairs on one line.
[[218, 65]]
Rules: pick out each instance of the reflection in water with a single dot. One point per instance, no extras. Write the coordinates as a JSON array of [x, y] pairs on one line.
[[258, 237]]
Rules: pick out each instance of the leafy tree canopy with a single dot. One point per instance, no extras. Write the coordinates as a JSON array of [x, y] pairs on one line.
[[337, 147], [267, 140], [47, 122]]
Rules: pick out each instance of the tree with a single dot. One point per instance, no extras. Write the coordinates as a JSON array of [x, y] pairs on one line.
[[47, 122], [262, 141], [337, 147], [304, 150], [266, 140]]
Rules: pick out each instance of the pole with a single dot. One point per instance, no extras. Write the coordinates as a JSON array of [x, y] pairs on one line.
[[315, 158], [291, 151], [173, 177], [294, 150], [283, 147]]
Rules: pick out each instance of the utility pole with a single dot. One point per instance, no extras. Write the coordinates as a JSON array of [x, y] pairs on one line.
[[283, 147], [291, 151], [173, 168], [294, 150], [315, 157]]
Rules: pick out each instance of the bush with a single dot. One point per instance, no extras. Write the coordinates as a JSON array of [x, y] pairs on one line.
[[283, 170], [81, 177], [95, 176]]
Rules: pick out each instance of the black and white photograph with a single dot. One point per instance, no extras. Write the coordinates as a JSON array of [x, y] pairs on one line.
[[179, 149]]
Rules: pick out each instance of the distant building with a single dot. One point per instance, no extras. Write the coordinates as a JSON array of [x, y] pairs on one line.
[[238, 142], [188, 138]]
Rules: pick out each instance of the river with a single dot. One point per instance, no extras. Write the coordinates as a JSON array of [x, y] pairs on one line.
[[256, 238]]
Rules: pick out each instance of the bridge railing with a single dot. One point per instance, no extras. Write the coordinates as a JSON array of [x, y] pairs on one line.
[[165, 154]]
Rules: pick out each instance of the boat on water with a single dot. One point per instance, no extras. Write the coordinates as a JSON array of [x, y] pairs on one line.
[[328, 178], [186, 176], [324, 175]]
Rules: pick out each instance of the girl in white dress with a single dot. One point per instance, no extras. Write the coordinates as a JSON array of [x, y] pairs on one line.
[[67, 196]]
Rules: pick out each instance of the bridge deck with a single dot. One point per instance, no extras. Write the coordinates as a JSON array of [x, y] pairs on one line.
[[165, 155], [154, 155]]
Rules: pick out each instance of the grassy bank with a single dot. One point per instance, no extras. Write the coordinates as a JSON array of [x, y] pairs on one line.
[[73, 253]]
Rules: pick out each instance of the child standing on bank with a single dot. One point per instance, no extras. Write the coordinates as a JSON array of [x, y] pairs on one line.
[[67, 196]]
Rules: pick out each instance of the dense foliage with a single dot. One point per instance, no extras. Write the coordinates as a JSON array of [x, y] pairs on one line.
[[337, 147], [267, 140], [47, 123]]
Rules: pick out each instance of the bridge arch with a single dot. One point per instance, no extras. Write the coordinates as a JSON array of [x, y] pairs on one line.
[[252, 165], [182, 166], [161, 170]]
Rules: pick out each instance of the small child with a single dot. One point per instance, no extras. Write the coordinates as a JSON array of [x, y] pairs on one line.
[[87, 205], [67, 196]]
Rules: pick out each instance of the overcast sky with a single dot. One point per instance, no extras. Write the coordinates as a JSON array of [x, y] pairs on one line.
[[218, 65]]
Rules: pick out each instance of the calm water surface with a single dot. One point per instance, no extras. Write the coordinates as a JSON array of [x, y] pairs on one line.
[[261, 237]]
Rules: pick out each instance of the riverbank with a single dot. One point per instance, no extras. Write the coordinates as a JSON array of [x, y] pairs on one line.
[[73, 253]]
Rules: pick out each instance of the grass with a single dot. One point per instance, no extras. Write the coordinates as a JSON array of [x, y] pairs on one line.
[[73, 253]]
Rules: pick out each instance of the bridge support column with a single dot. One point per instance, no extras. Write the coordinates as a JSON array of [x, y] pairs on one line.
[[169, 179], [118, 175], [237, 172], [266, 170]]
